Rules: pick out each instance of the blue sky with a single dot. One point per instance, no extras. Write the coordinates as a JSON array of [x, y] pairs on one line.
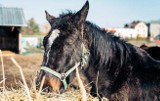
[[104, 13]]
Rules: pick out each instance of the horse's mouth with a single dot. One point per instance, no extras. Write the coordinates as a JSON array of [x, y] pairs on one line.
[[47, 89], [42, 87]]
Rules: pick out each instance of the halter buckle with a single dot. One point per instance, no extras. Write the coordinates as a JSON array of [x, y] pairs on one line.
[[63, 76]]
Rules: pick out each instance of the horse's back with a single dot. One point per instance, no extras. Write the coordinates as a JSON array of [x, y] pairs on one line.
[[143, 83], [153, 51]]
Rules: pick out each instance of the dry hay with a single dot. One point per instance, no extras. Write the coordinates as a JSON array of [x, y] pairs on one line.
[[20, 95]]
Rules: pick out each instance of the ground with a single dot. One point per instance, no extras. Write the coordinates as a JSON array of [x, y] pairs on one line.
[[30, 65]]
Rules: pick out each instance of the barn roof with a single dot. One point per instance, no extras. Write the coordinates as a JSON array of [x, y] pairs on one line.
[[12, 17]]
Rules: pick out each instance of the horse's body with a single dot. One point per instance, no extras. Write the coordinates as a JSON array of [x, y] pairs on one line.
[[125, 72], [153, 51]]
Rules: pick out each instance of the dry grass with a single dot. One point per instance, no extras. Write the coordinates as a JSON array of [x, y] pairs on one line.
[[21, 95]]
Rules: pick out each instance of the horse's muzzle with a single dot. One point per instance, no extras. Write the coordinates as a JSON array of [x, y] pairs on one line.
[[55, 84], [49, 83]]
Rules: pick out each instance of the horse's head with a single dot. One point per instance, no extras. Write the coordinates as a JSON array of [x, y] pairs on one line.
[[63, 49]]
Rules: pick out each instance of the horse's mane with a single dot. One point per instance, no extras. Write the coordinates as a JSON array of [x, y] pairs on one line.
[[67, 13], [107, 46]]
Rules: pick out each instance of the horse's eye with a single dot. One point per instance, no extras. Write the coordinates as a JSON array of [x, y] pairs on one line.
[[70, 42]]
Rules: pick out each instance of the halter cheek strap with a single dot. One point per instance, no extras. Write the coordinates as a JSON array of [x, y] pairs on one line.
[[84, 56], [61, 76]]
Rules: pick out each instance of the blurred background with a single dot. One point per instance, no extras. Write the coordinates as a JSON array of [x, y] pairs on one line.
[[23, 24]]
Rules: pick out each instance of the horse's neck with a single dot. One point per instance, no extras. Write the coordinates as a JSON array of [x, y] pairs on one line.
[[93, 34], [107, 47], [97, 42]]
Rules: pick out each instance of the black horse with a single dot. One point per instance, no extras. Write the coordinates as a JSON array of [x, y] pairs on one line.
[[125, 72], [153, 51]]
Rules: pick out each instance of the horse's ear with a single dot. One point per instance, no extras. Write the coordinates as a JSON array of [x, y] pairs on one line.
[[49, 17], [81, 15]]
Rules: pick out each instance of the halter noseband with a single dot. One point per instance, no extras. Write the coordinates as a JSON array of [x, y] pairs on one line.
[[61, 76]]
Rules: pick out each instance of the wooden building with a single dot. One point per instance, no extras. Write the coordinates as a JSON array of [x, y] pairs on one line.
[[11, 21]]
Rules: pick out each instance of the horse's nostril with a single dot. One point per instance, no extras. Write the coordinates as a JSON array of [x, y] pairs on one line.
[[47, 89], [37, 85], [61, 90]]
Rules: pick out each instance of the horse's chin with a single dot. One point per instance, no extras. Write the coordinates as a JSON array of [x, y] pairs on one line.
[[45, 88], [49, 89], [55, 84]]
